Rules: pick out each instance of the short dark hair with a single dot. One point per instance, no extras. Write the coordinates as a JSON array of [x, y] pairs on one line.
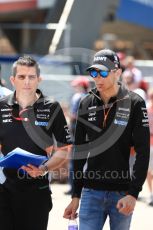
[[25, 61]]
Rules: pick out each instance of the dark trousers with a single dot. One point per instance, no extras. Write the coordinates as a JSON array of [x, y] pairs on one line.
[[24, 210]]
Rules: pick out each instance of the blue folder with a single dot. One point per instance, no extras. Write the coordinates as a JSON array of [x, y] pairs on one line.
[[19, 157]]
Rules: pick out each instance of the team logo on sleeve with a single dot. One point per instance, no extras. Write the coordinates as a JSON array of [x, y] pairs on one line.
[[145, 121], [67, 132]]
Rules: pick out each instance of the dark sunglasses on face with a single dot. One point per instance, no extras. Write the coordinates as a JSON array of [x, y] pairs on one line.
[[103, 73]]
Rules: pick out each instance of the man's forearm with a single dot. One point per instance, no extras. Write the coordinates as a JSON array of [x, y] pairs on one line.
[[58, 158]]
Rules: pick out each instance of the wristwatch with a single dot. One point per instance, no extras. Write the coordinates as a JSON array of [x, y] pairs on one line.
[[44, 169]]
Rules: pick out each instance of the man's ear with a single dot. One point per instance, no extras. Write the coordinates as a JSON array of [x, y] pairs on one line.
[[12, 80], [119, 73], [39, 78]]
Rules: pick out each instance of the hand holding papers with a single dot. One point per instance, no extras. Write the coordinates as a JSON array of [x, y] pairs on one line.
[[19, 157]]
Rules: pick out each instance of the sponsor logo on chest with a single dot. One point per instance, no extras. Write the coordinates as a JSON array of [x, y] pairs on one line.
[[6, 109], [7, 120], [92, 114], [120, 122], [41, 123], [42, 116]]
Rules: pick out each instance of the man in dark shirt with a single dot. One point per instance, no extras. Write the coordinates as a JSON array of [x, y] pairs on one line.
[[32, 122], [110, 121]]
